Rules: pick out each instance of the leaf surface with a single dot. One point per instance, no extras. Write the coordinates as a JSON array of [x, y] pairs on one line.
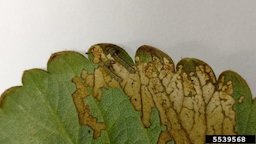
[[111, 99]]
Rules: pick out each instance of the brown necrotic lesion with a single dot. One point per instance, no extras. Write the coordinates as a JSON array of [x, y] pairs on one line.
[[184, 98], [114, 71], [83, 109], [190, 101]]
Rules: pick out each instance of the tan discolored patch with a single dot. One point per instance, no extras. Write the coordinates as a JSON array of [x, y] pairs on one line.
[[164, 138], [116, 73], [153, 90], [241, 99], [102, 80], [85, 118], [190, 101], [220, 113], [192, 114]]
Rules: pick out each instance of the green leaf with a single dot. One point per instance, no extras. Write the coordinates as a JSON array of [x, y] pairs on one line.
[[42, 110], [110, 99]]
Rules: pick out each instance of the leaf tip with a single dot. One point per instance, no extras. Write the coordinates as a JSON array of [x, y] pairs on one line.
[[61, 53], [145, 53]]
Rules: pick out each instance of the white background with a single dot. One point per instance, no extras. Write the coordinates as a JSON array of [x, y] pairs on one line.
[[222, 33]]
